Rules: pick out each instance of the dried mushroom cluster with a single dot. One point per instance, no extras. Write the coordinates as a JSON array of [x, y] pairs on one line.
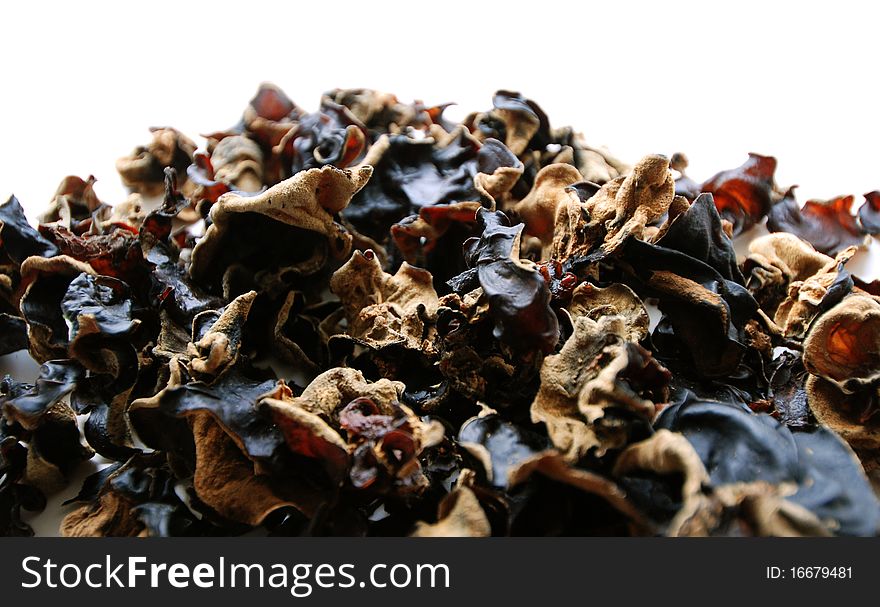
[[366, 320]]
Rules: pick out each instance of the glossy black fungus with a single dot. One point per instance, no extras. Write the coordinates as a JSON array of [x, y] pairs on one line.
[[173, 290], [26, 404], [102, 437], [99, 312], [13, 334], [707, 312], [18, 240], [508, 444], [147, 488], [584, 189], [698, 233], [519, 299], [687, 187], [331, 135], [41, 308], [442, 464], [57, 440], [37, 415], [413, 174], [737, 445], [232, 400], [93, 484], [437, 248], [150, 484], [101, 301], [841, 287], [512, 114], [789, 396], [432, 237]]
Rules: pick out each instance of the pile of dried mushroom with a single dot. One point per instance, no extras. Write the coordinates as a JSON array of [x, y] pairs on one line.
[[367, 320]]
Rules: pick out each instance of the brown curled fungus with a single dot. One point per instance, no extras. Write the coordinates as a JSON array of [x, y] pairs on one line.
[[299, 211]]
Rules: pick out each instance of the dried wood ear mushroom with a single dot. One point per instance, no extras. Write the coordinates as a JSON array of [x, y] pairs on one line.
[[843, 346], [143, 170], [365, 319], [842, 354], [291, 226]]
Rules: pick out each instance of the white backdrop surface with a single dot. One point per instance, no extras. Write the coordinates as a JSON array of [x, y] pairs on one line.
[[83, 82]]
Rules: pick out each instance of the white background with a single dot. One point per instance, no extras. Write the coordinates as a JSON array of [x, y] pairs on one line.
[[81, 83]]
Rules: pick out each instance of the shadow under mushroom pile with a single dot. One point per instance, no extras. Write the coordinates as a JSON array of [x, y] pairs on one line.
[[368, 320]]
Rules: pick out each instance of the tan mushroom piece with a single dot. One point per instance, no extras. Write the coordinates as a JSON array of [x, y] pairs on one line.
[[309, 200]]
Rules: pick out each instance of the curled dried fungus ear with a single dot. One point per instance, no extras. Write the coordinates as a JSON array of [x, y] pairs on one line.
[[228, 482], [413, 174], [851, 416], [217, 349], [516, 291], [777, 260], [553, 466], [384, 111], [668, 453], [748, 454], [827, 225], [137, 497], [621, 208], [382, 438], [550, 190], [238, 162], [843, 346], [18, 239], [292, 224], [598, 389], [459, 515], [143, 170], [75, 205], [807, 299], [744, 195], [614, 300], [45, 281], [796, 258], [384, 309]]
